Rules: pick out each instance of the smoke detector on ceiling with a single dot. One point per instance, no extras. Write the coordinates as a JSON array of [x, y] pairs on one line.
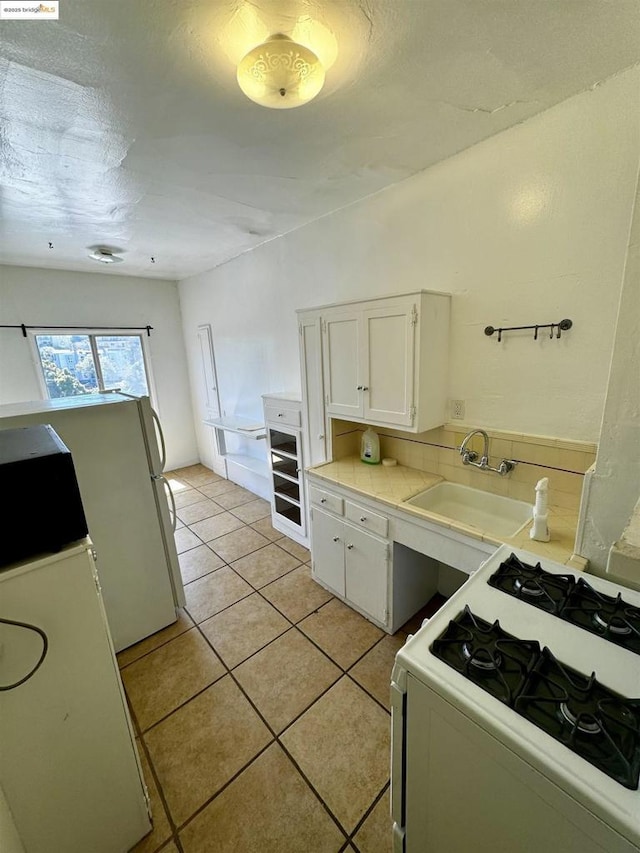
[[104, 255]]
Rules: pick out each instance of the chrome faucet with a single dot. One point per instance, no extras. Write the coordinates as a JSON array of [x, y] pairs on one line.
[[470, 457]]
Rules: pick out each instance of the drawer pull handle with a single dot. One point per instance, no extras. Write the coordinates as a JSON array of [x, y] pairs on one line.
[[323, 500], [336, 538], [349, 547], [363, 518]]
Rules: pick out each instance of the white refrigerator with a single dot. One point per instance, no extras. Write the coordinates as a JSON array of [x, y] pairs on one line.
[[118, 452]]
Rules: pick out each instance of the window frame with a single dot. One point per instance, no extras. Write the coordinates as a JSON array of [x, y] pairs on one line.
[[92, 333]]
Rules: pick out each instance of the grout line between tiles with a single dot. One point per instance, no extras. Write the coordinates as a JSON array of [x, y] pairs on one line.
[[276, 739], [161, 794], [229, 782], [375, 802], [277, 736]]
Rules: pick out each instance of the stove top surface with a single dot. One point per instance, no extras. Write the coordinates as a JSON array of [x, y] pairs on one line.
[[593, 721], [572, 599]]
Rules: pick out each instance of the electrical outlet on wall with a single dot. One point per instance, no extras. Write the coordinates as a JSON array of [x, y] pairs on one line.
[[457, 409]]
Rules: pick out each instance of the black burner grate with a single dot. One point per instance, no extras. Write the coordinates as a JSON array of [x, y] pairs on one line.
[[611, 618], [487, 655], [532, 584], [573, 600], [598, 724], [593, 721]]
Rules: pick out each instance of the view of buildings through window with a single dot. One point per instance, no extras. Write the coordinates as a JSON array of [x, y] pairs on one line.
[[89, 364]]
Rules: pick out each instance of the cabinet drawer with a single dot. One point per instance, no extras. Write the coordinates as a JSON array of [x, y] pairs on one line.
[[326, 499], [276, 415], [366, 519]]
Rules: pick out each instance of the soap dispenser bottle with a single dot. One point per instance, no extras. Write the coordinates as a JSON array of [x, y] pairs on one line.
[[370, 447], [540, 529]]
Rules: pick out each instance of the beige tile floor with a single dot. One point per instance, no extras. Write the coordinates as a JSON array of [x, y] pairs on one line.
[[263, 712]]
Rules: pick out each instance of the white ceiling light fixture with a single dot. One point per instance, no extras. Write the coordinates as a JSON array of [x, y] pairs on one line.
[[104, 255], [281, 74]]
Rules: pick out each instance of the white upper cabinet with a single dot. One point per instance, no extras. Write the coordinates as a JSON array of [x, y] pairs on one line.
[[385, 361], [388, 363], [341, 353]]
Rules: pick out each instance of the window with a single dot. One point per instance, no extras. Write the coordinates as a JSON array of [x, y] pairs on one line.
[[87, 363]]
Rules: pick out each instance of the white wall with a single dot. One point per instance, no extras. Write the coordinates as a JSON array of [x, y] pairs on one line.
[[55, 297], [527, 227]]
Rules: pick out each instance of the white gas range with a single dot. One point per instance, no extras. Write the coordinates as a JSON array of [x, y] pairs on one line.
[[501, 740]]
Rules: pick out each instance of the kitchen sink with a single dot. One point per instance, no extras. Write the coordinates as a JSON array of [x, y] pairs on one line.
[[503, 517]]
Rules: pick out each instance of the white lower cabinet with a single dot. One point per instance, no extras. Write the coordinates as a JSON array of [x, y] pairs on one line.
[[352, 563], [366, 567], [328, 550], [384, 562]]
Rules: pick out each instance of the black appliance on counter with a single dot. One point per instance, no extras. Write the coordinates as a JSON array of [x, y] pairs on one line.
[[42, 507]]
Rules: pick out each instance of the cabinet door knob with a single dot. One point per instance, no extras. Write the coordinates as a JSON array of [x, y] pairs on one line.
[[336, 538], [363, 518], [365, 387], [279, 414], [323, 500], [359, 388], [349, 547]]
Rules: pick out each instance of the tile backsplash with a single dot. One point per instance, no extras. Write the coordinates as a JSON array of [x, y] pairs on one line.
[[563, 462]]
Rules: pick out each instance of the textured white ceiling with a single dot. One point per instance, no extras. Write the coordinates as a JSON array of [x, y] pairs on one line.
[[122, 123]]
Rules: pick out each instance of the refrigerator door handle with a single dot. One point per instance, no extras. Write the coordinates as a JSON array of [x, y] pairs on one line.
[[172, 509], [163, 449]]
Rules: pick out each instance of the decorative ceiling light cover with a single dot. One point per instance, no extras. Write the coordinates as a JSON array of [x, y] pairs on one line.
[[280, 74]]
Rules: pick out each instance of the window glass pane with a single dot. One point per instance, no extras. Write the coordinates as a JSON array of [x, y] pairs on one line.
[[122, 363], [67, 364]]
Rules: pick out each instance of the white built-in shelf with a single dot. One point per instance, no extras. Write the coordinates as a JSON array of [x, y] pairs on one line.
[[258, 466], [241, 426], [247, 429]]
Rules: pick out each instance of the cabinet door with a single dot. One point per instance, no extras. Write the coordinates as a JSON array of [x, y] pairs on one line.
[[389, 364], [341, 354], [328, 550], [366, 564], [312, 390]]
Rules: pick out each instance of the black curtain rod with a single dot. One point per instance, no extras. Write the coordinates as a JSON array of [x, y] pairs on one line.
[[147, 329]]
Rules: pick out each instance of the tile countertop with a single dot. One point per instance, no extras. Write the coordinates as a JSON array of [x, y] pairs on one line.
[[395, 484]]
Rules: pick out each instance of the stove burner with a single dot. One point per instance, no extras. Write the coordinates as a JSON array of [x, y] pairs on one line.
[[528, 587], [481, 658], [574, 600], [610, 617], [613, 624], [578, 711], [532, 584], [485, 654], [584, 723]]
